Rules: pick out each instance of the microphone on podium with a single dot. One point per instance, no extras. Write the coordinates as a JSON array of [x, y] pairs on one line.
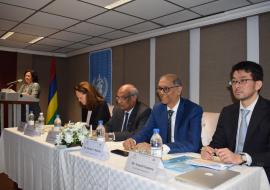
[[14, 82], [10, 84]]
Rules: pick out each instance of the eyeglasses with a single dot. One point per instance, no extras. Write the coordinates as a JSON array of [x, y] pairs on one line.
[[165, 89], [122, 98], [240, 82]]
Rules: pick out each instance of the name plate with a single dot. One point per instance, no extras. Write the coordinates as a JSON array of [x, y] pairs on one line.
[[142, 164], [31, 131], [22, 126], [95, 149], [51, 137]]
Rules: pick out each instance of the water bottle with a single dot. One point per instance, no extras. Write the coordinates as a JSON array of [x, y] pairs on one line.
[[41, 122], [57, 123], [156, 144], [100, 131], [31, 119]]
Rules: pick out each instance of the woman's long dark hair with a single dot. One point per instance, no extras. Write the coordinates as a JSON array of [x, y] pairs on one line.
[[93, 97]]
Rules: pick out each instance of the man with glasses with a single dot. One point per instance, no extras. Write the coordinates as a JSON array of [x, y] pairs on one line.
[[243, 130], [178, 120], [128, 116]]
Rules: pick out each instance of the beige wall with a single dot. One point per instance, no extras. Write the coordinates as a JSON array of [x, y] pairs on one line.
[[131, 65], [265, 52], [222, 46], [172, 56]]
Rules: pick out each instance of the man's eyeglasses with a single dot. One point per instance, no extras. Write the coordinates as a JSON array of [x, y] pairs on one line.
[[165, 89], [122, 98], [240, 82]]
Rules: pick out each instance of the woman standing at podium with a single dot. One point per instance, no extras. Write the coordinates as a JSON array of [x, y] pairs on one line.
[[94, 107], [30, 87]]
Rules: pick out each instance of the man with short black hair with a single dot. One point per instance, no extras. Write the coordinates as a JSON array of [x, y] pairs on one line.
[[243, 130]]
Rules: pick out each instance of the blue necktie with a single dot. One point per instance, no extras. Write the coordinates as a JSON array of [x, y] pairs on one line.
[[125, 122], [242, 131], [170, 113]]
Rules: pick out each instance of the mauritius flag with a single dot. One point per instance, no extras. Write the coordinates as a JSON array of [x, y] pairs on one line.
[[52, 97]]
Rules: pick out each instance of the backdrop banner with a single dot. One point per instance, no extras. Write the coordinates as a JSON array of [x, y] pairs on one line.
[[101, 72]]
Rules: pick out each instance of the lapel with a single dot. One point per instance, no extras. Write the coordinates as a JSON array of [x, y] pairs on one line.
[[179, 116], [257, 115], [234, 124], [132, 116]]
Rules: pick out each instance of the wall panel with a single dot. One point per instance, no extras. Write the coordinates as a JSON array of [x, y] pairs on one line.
[[222, 46], [172, 56], [264, 28]]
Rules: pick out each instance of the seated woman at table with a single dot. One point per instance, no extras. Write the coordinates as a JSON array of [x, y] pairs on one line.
[[94, 106], [30, 87]]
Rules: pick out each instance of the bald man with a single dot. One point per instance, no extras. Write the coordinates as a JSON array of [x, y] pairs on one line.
[[129, 115]]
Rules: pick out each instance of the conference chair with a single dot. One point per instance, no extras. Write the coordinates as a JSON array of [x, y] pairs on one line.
[[209, 124]]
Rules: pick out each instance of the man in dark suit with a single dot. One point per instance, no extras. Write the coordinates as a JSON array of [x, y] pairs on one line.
[[129, 115], [243, 130], [178, 120]]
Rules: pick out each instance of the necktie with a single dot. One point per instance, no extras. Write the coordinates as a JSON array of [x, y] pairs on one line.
[[125, 122], [169, 137], [242, 130]]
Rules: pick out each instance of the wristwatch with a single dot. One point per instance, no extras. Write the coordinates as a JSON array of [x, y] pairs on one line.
[[243, 158]]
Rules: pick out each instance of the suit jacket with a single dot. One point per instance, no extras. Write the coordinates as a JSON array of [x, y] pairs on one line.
[[136, 121], [257, 142], [101, 112], [32, 89], [187, 132]]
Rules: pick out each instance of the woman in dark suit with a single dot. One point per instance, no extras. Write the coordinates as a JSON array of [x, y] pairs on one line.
[[92, 103], [30, 87]]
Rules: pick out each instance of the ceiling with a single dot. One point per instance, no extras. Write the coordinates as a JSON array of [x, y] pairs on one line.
[[70, 25]]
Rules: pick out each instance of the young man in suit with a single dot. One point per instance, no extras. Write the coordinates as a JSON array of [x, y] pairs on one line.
[[129, 115], [178, 120], [243, 130]]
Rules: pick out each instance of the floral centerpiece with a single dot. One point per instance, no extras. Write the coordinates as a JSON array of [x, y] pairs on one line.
[[72, 134]]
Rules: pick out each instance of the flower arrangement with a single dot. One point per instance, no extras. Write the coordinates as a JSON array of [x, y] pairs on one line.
[[72, 134]]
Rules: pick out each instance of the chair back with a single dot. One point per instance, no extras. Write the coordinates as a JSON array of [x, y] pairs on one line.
[[209, 125]]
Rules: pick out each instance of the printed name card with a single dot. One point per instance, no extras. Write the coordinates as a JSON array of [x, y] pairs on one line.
[[95, 149], [31, 131], [51, 137], [142, 164]]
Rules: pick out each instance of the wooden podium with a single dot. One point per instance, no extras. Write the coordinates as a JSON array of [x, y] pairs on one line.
[[11, 108]]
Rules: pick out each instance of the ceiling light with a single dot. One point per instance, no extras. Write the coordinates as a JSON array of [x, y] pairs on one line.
[[116, 4], [8, 34], [35, 40]]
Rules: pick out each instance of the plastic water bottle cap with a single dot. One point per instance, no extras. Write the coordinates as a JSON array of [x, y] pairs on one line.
[[57, 115], [156, 130], [100, 122]]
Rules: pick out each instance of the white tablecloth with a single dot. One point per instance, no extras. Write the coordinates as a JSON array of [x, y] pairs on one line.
[[37, 165], [90, 173], [29, 161]]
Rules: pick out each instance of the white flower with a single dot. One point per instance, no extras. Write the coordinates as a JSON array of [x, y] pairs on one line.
[[68, 138], [58, 140], [81, 137], [71, 133]]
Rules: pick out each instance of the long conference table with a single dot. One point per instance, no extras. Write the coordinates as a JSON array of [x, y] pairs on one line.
[[37, 165]]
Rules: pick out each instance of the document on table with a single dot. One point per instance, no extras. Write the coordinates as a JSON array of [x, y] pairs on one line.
[[179, 164], [213, 164]]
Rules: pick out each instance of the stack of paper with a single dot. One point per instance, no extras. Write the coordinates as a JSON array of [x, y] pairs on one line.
[[213, 164]]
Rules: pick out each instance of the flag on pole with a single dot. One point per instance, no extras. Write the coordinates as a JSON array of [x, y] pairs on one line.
[[52, 97]]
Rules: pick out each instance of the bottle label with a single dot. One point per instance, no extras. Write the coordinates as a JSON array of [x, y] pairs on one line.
[[156, 151], [31, 122]]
